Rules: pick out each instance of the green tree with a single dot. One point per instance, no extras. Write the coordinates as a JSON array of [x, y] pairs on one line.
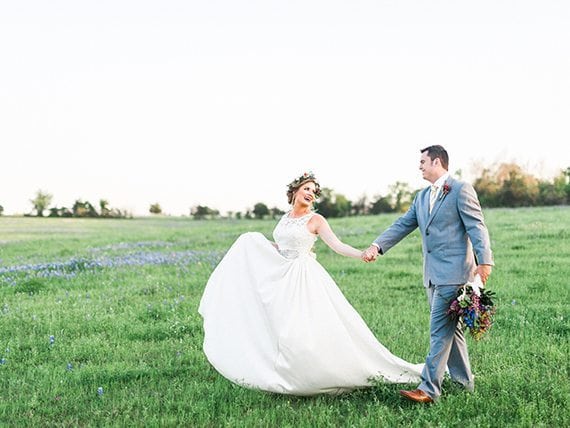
[[104, 208], [41, 202], [507, 185], [260, 210], [552, 193], [201, 212], [155, 208], [360, 207], [276, 212], [401, 194], [331, 204], [487, 188], [325, 204], [381, 204], [344, 205], [60, 212], [518, 188], [566, 174], [84, 209]]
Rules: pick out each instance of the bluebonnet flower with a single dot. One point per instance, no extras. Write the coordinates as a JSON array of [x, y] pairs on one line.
[[2, 361], [69, 367], [51, 340], [474, 308], [71, 267], [100, 391]]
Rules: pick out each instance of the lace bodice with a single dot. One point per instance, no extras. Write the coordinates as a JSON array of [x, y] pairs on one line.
[[292, 236]]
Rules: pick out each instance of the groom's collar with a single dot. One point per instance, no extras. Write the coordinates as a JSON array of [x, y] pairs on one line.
[[441, 180]]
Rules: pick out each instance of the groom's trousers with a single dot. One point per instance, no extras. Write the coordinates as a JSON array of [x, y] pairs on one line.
[[447, 348]]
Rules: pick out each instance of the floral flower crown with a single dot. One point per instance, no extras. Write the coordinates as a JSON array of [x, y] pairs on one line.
[[297, 182]]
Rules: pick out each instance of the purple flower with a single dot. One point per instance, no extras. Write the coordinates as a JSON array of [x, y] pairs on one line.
[[472, 311]]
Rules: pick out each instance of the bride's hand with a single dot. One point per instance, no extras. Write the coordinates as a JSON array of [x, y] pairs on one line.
[[368, 256]]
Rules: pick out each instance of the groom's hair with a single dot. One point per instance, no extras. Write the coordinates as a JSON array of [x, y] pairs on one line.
[[437, 151]]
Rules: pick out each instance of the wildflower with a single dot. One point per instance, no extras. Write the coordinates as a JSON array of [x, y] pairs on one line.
[[474, 308], [69, 367], [51, 340], [100, 391], [2, 361]]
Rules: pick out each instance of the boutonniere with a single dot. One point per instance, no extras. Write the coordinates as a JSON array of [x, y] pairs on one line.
[[445, 190]]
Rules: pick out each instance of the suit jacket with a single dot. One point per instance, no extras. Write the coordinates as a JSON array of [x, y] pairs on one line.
[[454, 236]]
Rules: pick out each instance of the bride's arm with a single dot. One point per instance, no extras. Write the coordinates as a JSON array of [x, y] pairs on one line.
[[320, 226]]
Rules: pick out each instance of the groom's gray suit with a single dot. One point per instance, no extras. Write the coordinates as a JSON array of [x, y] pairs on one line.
[[454, 240]]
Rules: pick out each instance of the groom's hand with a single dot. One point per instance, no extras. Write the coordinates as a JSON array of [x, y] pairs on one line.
[[484, 271], [370, 254]]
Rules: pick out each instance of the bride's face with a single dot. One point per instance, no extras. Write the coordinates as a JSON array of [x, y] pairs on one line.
[[305, 196]]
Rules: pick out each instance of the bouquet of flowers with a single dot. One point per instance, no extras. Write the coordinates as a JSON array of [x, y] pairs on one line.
[[474, 307]]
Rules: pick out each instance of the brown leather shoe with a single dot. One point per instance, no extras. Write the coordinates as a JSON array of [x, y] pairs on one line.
[[416, 395]]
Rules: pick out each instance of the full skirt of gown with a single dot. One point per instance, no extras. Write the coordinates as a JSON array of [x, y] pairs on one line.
[[282, 325]]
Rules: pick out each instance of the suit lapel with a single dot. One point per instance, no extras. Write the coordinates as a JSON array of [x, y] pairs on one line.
[[438, 201], [425, 211]]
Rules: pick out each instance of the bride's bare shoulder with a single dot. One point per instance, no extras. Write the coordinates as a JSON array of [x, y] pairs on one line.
[[318, 217], [317, 220]]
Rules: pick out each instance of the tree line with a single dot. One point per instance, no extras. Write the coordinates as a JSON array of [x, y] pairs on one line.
[[506, 185], [42, 201]]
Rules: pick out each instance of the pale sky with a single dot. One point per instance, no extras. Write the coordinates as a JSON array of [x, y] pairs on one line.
[[222, 103]]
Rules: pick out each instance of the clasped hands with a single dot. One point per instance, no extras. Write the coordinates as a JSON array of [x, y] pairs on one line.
[[370, 254]]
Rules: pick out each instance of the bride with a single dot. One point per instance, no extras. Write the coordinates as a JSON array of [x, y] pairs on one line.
[[275, 320]]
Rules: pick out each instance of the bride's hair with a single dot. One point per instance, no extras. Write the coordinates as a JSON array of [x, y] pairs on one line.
[[298, 182]]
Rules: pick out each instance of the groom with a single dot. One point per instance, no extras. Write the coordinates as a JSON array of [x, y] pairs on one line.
[[456, 246]]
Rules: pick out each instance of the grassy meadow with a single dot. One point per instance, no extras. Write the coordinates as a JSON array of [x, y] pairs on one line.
[[99, 326]]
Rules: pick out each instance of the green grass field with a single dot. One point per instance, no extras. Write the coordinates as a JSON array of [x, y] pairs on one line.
[[99, 326]]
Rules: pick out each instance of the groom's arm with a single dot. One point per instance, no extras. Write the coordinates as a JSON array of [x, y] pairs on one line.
[[394, 234], [472, 217]]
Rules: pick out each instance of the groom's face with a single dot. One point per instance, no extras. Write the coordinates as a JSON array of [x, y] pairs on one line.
[[428, 167]]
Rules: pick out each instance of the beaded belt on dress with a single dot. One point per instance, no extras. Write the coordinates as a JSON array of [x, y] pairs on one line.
[[293, 254]]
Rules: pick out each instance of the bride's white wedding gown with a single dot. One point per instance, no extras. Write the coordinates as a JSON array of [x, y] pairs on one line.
[[275, 320]]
